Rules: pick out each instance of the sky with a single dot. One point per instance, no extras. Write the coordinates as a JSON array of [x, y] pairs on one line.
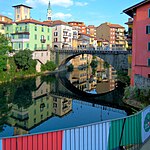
[[91, 12]]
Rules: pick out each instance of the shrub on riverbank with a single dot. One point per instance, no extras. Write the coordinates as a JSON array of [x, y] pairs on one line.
[[49, 66], [123, 77], [136, 94]]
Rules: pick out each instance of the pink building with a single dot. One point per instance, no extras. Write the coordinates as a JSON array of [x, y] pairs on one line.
[[141, 39]]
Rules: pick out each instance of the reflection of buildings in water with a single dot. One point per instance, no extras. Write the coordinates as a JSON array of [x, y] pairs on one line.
[[42, 88], [108, 83], [61, 106], [24, 119], [81, 60], [87, 79], [44, 106]]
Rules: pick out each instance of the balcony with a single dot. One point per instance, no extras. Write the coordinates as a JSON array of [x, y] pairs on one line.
[[43, 40], [65, 43], [65, 35], [22, 31]]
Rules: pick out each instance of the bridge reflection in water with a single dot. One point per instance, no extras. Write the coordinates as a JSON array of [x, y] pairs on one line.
[[49, 103]]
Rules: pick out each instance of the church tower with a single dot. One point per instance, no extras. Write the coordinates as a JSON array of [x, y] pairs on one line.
[[49, 12]]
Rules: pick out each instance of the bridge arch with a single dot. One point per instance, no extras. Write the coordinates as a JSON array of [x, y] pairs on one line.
[[116, 58]]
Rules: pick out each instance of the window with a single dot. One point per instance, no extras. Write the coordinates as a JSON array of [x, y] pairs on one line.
[[148, 46], [35, 28], [42, 29], [149, 62], [47, 37], [35, 46], [148, 29], [55, 33], [35, 36], [27, 45], [148, 75], [55, 39], [149, 13], [48, 30]]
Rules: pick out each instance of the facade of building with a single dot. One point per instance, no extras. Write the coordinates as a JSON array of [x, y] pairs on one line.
[[113, 33], [141, 39], [22, 12], [129, 34], [91, 30], [29, 34], [4, 20], [87, 41], [80, 25], [61, 34]]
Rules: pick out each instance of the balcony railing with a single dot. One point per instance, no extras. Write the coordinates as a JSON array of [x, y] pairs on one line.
[[43, 40]]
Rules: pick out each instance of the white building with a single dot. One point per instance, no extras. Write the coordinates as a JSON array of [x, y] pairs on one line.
[[62, 34]]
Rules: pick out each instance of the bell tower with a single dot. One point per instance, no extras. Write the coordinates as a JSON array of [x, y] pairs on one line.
[[49, 12]]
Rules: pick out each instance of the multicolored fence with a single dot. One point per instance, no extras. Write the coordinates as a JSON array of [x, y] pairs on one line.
[[131, 131]]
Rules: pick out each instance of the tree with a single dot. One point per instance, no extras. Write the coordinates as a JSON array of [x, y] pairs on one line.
[[4, 48], [4, 45], [3, 63], [23, 60], [94, 63], [48, 66]]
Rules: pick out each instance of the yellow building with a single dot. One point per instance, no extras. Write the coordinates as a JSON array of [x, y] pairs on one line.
[[3, 21], [22, 12], [129, 35]]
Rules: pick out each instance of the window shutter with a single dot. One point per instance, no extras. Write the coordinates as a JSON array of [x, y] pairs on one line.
[[148, 46], [149, 62], [146, 29]]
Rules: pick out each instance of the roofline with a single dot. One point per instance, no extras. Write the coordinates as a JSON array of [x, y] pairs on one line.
[[22, 5], [134, 7], [76, 22]]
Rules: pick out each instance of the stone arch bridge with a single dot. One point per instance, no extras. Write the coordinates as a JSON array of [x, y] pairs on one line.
[[116, 58]]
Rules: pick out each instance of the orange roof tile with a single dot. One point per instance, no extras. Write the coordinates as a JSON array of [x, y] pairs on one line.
[[115, 26]]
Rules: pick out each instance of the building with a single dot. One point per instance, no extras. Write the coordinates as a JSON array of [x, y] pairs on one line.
[[86, 41], [141, 41], [4, 20], [129, 34], [91, 30], [80, 25], [29, 34], [22, 12], [114, 33], [75, 32], [61, 34]]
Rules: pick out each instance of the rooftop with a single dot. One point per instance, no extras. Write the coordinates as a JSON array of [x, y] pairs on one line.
[[131, 10], [22, 5]]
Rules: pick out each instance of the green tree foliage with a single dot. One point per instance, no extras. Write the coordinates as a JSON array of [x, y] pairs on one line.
[[94, 63], [123, 77], [50, 66], [70, 68], [3, 63], [106, 65], [4, 45], [23, 60]]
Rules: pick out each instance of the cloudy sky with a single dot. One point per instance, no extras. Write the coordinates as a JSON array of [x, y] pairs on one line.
[[89, 11]]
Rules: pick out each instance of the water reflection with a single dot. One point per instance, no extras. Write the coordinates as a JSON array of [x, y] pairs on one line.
[[43, 104], [101, 77]]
